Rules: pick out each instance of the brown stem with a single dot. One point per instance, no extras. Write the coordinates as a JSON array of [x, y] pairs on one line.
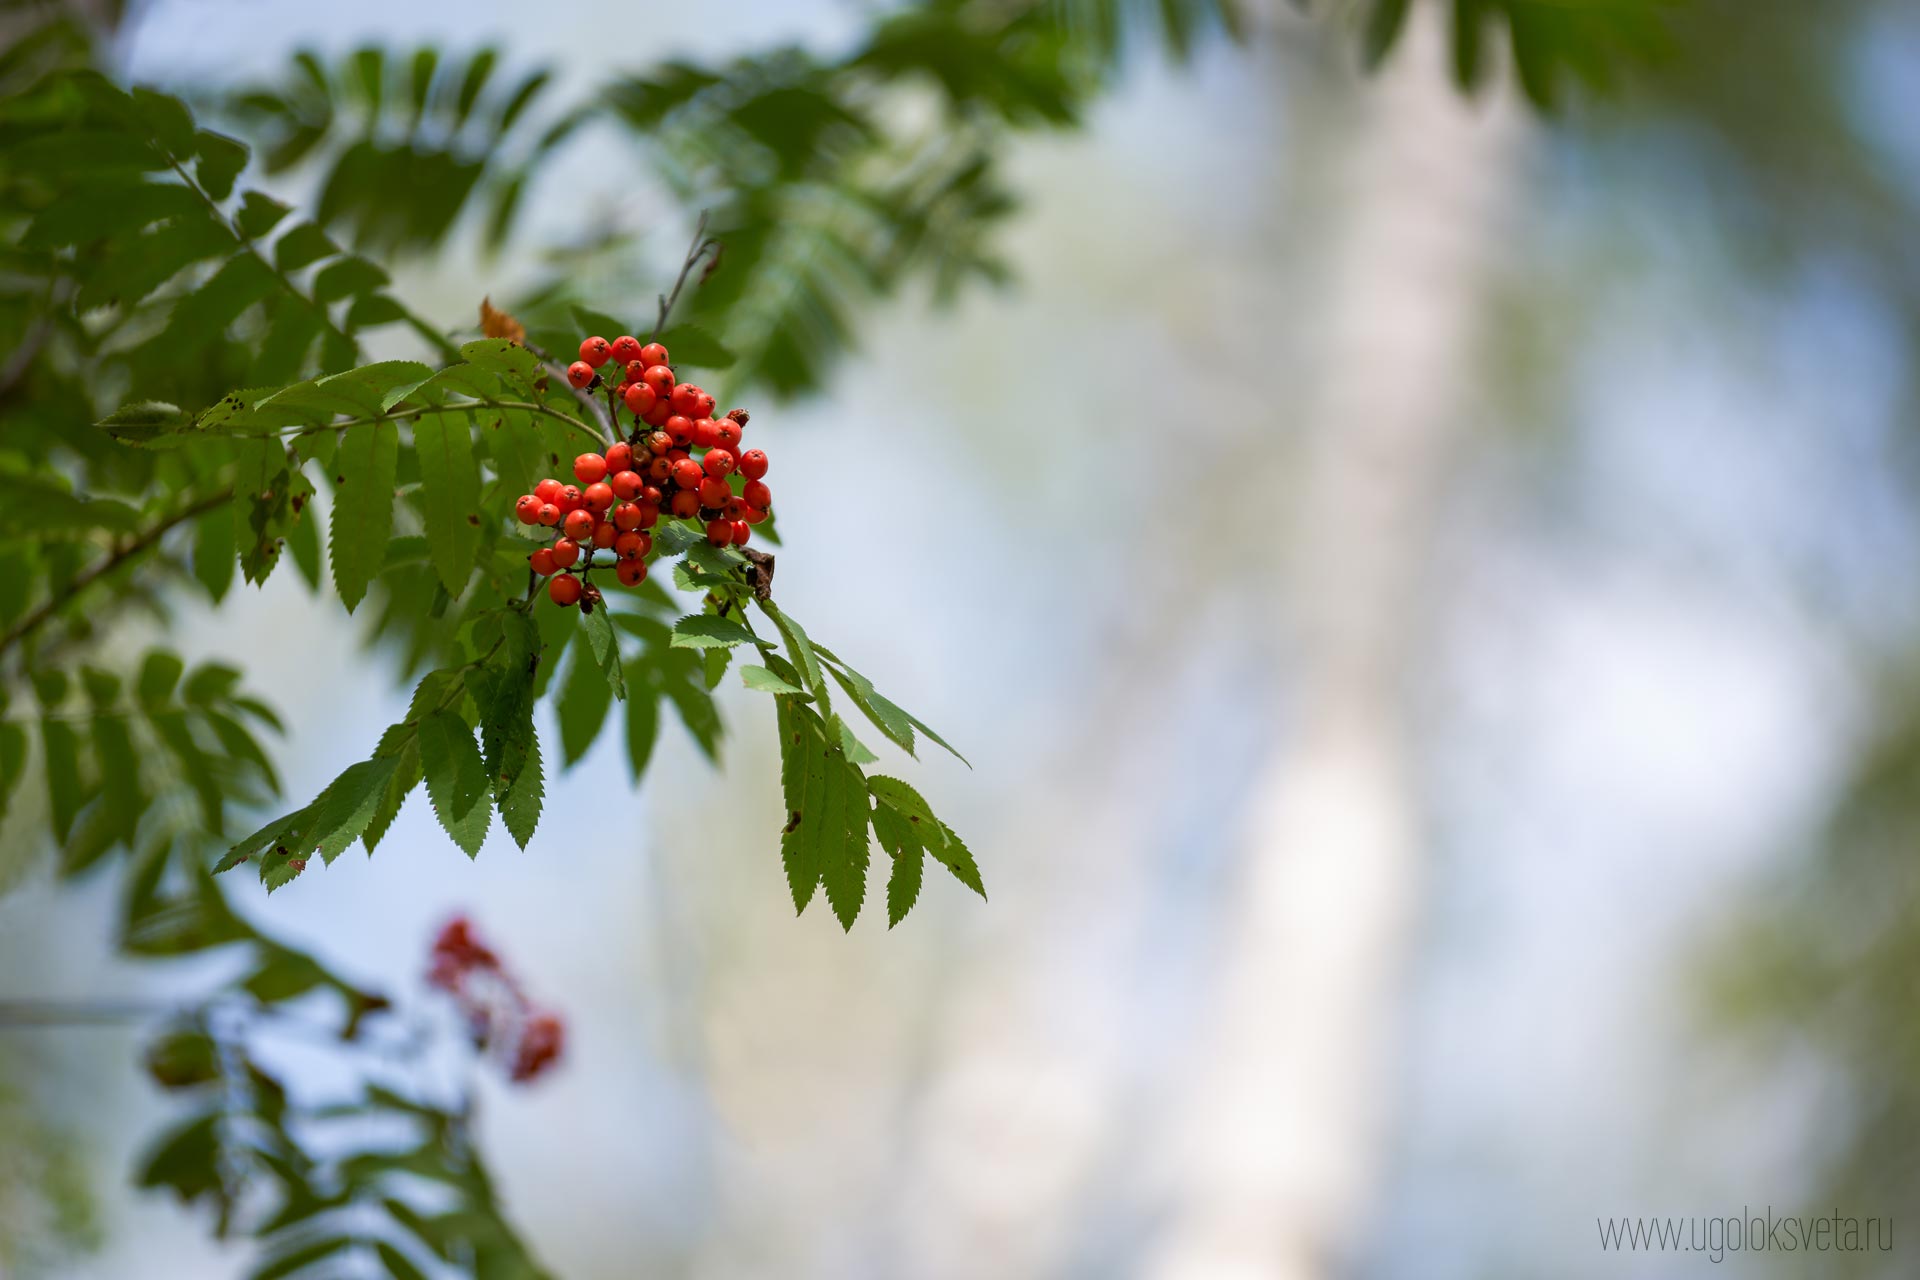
[[101, 568], [699, 249]]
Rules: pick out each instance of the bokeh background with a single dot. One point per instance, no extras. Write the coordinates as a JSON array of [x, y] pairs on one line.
[[1428, 591]]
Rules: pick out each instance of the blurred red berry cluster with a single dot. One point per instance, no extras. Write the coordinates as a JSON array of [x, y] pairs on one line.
[[503, 1022]]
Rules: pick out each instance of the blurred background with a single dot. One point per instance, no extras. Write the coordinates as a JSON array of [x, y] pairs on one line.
[[1427, 589]]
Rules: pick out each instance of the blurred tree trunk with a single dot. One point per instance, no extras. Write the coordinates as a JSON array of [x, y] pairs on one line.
[[1279, 1135]]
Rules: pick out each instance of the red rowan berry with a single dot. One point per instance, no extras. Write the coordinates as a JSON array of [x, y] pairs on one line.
[[619, 457], [705, 433], [628, 545], [677, 455], [753, 464], [734, 509], [687, 473], [604, 533], [598, 497], [720, 532], [639, 397], [703, 405], [741, 532], [578, 525], [728, 433], [649, 514], [547, 491], [714, 493], [680, 430], [626, 517], [569, 499], [527, 509], [733, 458], [659, 442], [596, 351], [550, 514], [650, 493], [635, 369], [589, 467], [626, 347], [757, 494], [564, 590], [718, 463], [686, 399], [654, 353], [685, 503], [755, 515], [631, 573], [658, 469], [542, 562], [579, 373], [626, 485], [657, 415], [660, 378], [566, 553]]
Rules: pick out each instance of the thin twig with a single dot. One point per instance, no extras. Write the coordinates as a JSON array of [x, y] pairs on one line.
[[609, 431], [702, 244], [100, 568]]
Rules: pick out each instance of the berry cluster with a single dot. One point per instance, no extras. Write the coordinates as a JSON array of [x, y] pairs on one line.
[[526, 1039], [680, 462]]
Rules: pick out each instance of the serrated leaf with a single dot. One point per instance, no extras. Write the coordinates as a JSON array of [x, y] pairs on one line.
[[148, 423], [520, 803], [259, 214], [909, 858], [500, 356], [939, 839], [504, 692], [766, 682], [343, 810], [705, 631], [450, 494], [407, 774], [302, 244], [214, 556], [605, 647], [842, 833], [221, 160], [854, 749], [801, 651], [362, 520], [456, 779], [803, 768]]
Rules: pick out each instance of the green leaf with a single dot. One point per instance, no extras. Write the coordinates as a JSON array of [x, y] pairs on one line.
[[690, 344], [504, 692], [200, 318], [605, 647], [398, 1266], [346, 278], [259, 214], [854, 749], [270, 493], [304, 243], [341, 812], [145, 423], [705, 631], [160, 674], [221, 160], [214, 556], [303, 540], [803, 767], [842, 833], [643, 719], [583, 703], [801, 651], [13, 762], [1383, 28], [520, 802], [456, 779], [766, 682], [939, 839], [909, 856], [362, 507], [407, 774], [498, 355], [66, 790], [450, 494]]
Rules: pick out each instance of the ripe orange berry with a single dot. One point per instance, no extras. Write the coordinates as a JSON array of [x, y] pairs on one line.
[[579, 373], [706, 433], [660, 378], [589, 467], [654, 353], [569, 499], [753, 464], [718, 463], [566, 553], [657, 415], [596, 351], [658, 469], [626, 485], [639, 397], [714, 493], [626, 347], [649, 513], [564, 590], [635, 370], [686, 504], [686, 398], [619, 457], [628, 545], [542, 562], [604, 533], [527, 509], [598, 497], [734, 509], [578, 525], [728, 432], [741, 532], [549, 514], [631, 573], [755, 515], [687, 473], [547, 491], [680, 430], [720, 532], [757, 494], [659, 442]]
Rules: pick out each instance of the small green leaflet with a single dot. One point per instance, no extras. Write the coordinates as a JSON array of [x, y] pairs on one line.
[[450, 494], [362, 507], [705, 631], [800, 650], [767, 682], [605, 647], [456, 779], [937, 836], [909, 858], [584, 701]]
